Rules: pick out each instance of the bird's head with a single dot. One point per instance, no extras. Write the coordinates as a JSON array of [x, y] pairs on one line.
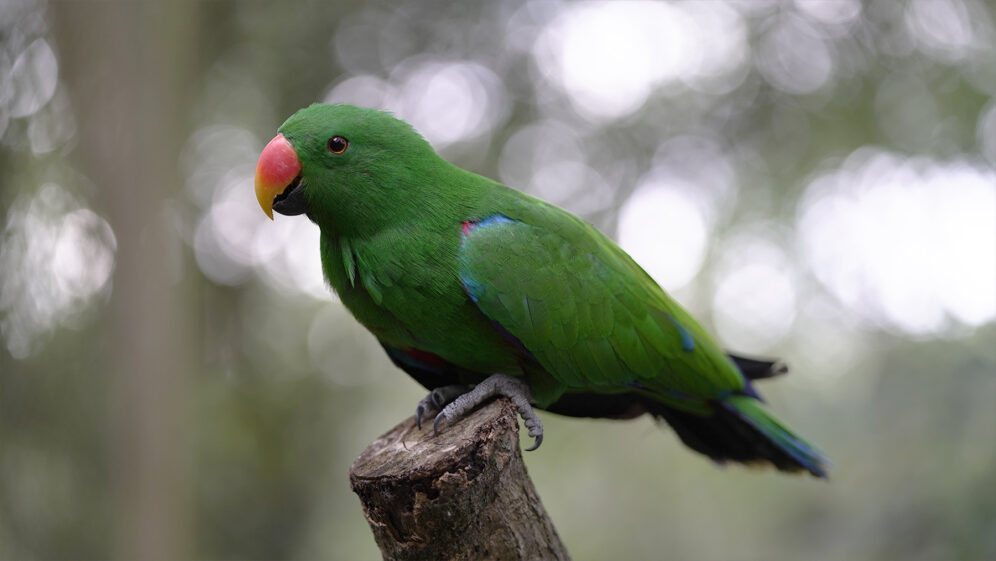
[[343, 166]]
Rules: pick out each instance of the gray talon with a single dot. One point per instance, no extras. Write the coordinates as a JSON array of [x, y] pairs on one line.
[[494, 385], [437, 400], [535, 427], [424, 407], [435, 423], [418, 416]]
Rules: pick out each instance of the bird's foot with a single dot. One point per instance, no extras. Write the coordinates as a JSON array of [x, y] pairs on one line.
[[438, 399], [494, 385]]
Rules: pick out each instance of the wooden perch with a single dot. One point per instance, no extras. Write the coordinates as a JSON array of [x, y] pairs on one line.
[[461, 495]]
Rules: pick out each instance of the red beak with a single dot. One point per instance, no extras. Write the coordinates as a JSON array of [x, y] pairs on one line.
[[277, 167]]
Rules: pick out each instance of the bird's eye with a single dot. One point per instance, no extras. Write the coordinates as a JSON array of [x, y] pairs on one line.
[[338, 144]]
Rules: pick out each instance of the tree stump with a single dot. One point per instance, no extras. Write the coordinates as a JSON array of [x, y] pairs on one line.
[[461, 495]]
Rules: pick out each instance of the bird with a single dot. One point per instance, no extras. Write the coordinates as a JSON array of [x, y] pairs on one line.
[[478, 290]]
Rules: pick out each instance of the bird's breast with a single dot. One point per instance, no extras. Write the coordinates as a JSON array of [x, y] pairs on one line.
[[414, 299]]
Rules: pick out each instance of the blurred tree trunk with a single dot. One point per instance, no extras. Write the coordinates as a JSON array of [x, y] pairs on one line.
[[132, 114], [461, 495]]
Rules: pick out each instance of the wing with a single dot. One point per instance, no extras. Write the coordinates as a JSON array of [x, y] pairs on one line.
[[591, 317]]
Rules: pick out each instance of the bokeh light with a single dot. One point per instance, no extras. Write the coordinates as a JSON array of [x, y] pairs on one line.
[[794, 57], [949, 31], [838, 12], [755, 302], [609, 58], [63, 254], [704, 169], [53, 126], [909, 244], [363, 91], [546, 160], [233, 239], [447, 101], [665, 232], [284, 253], [32, 79], [536, 146]]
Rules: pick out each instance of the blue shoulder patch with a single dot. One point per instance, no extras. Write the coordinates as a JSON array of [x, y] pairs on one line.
[[473, 288], [687, 342], [469, 226], [495, 219]]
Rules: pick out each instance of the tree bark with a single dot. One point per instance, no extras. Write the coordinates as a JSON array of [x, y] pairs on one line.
[[461, 495]]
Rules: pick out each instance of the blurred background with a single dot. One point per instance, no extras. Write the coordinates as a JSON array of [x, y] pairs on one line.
[[814, 180]]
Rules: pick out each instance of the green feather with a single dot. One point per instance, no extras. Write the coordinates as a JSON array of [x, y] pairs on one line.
[[348, 261]]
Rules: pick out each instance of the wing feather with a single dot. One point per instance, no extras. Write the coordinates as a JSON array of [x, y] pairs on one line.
[[591, 317]]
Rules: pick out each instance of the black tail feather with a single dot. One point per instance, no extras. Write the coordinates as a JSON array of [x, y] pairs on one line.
[[757, 369], [726, 437]]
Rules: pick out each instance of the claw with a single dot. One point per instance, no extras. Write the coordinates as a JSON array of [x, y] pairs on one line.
[[436, 401], [435, 423], [534, 425], [461, 403], [418, 416]]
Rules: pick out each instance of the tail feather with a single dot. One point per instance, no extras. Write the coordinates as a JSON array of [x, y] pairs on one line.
[[757, 369], [740, 430], [806, 455]]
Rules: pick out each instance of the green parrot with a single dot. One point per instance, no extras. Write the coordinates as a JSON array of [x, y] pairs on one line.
[[477, 290]]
